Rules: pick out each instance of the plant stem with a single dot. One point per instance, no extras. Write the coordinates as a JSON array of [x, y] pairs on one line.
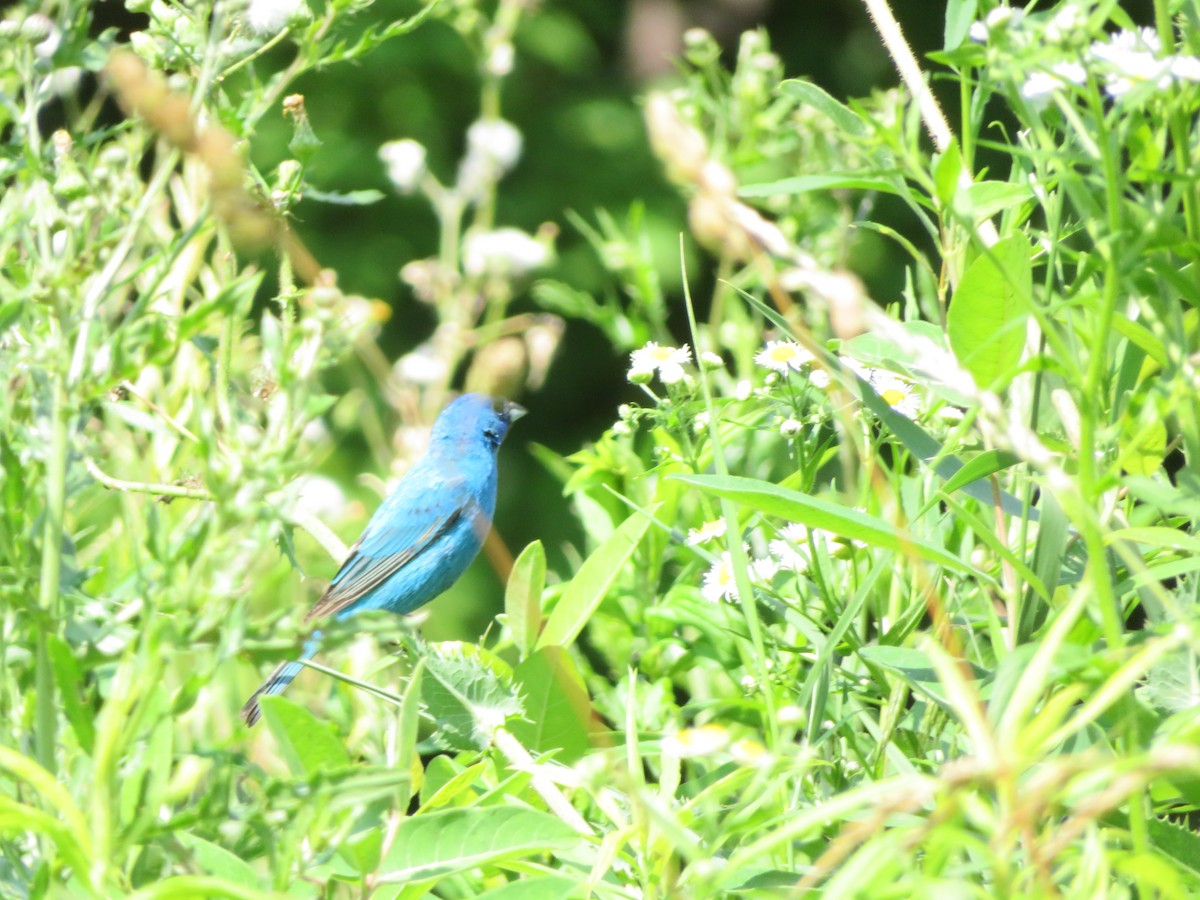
[[48, 595]]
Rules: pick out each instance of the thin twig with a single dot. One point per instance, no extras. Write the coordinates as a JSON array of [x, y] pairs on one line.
[[143, 487]]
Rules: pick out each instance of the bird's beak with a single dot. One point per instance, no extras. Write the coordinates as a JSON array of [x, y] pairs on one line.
[[513, 411]]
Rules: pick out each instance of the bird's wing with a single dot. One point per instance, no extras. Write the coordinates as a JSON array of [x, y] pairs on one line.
[[410, 523]]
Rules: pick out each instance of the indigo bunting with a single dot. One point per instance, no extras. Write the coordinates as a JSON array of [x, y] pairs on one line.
[[424, 535]]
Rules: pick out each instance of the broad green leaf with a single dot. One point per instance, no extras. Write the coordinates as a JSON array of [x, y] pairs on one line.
[[1142, 440], [189, 887], [787, 504], [591, 583], [986, 198], [523, 597], [959, 16], [557, 707], [214, 860], [1177, 842], [306, 743], [434, 845], [1156, 536], [468, 692], [987, 316], [553, 887]]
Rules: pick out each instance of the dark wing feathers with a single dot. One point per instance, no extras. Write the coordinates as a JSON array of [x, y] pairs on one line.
[[423, 509], [360, 574]]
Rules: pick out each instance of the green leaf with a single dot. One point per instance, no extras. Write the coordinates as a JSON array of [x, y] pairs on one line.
[[523, 597], [214, 860], [467, 692], [454, 786], [986, 320], [306, 743], [803, 184], [590, 584], [959, 16], [916, 669], [986, 198], [1142, 440], [557, 707], [847, 120], [438, 844], [987, 463], [946, 173], [554, 887], [774, 500], [348, 198], [66, 673]]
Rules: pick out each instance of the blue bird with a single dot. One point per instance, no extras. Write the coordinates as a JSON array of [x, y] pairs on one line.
[[424, 535]]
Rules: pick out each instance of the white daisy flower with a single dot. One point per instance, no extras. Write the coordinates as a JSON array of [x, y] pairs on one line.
[[763, 570], [706, 532], [749, 752], [1132, 57], [668, 362], [819, 378], [780, 356], [897, 393], [790, 549], [706, 740], [719, 581], [1070, 71]]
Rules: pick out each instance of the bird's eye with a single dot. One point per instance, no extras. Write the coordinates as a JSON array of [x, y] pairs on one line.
[[491, 435]]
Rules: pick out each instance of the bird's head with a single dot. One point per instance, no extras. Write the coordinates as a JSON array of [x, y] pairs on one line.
[[475, 419]]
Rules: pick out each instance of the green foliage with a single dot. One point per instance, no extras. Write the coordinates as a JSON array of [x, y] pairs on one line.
[[884, 584]]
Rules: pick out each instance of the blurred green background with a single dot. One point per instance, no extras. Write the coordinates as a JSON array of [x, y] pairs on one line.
[[580, 68]]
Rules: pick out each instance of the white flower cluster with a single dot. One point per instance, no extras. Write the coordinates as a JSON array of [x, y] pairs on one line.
[[720, 582], [666, 362], [508, 252], [791, 551], [1132, 58], [267, 18], [1126, 60], [782, 357]]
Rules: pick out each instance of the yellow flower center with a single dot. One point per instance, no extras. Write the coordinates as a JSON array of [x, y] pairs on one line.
[[893, 396]]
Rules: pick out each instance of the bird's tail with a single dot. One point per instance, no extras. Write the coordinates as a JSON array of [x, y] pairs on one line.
[[277, 682]]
